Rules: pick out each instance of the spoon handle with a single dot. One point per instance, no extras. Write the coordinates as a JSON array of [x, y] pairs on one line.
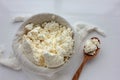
[[78, 72]]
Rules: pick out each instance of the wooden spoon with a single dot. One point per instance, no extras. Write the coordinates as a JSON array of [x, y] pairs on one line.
[[86, 58]]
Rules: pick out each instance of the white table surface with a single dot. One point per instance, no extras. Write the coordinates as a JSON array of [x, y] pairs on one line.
[[104, 13]]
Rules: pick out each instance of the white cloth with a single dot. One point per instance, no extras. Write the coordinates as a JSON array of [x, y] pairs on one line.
[[81, 31]]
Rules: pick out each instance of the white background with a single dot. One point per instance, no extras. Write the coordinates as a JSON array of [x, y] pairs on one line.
[[104, 13]]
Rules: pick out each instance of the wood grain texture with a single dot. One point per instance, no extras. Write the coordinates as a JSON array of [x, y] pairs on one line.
[[86, 58], [78, 72]]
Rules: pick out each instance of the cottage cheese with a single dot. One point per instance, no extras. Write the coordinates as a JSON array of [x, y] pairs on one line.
[[91, 46], [48, 44]]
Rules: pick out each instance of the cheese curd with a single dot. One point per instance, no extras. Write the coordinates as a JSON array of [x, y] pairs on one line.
[[91, 46], [48, 44]]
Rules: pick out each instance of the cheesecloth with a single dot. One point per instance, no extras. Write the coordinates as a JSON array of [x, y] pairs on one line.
[[80, 29]]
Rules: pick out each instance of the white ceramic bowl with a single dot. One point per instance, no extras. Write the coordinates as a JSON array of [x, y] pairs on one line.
[[26, 63]]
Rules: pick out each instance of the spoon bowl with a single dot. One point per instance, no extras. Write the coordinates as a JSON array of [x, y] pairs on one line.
[[86, 58], [96, 52]]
